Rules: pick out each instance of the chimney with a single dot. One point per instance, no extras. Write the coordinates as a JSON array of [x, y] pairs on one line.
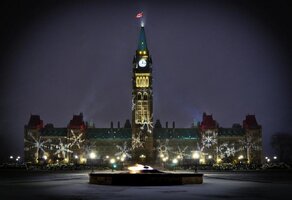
[[118, 124], [166, 124], [112, 124], [173, 125]]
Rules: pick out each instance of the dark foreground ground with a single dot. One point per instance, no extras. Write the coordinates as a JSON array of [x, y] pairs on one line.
[[20, 184]]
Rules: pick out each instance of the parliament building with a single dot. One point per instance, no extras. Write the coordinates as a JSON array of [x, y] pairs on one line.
[[142, 140]]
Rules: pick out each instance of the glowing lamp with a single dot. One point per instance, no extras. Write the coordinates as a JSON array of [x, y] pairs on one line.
[[240, 157], [92, 155], [174, 161], [196, 155]]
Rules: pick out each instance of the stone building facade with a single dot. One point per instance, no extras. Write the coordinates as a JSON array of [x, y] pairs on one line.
[[142, 140]]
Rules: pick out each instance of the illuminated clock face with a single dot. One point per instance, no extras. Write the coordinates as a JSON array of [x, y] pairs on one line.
[[142, 62]]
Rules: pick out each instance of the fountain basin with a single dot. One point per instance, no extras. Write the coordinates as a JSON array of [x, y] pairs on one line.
[[143, 179]]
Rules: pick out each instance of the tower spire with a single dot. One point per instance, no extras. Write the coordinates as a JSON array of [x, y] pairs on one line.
[[142, 44]]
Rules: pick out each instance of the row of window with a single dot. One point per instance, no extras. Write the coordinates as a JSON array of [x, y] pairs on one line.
[[143, 96], [142, 112], [142, 81]]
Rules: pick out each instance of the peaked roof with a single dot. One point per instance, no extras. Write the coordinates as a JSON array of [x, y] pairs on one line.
[[77, 122], [35, 122], [142, 44], [208, 122], [250, 122]]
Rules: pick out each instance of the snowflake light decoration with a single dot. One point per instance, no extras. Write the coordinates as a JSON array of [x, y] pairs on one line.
[[250, 144], [209, 138], [147, 125], [123, 151], [38, 144], [181, 152], [62, 149], [76, 139], [200, 147], [226, 150], [137, 141], [163, 147], [88, 148]]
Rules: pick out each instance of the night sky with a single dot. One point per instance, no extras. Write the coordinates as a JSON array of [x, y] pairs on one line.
[[225, 58]]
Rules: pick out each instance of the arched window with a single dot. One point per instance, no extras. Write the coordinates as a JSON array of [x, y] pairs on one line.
[[137, 81], [147, 81], [143, 82], [145, 96], [139, 96]]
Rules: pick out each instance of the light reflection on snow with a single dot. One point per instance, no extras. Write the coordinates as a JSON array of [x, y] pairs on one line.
[[138, 168]]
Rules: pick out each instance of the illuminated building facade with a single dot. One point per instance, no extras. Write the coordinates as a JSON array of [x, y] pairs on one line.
[[142, 140]]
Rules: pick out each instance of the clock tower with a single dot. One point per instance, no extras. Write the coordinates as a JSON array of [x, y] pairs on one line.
[[142, 103]]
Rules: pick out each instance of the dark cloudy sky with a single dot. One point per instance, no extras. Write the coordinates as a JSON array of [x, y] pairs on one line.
[[226, 58]]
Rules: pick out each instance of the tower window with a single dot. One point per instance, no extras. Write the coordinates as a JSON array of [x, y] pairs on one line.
[[145, 96], [142, 113], [139, 96], [142, 81]]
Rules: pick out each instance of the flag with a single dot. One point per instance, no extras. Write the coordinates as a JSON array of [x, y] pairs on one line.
[[139, 15]]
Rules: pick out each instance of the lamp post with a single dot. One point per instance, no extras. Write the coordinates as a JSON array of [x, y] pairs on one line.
[[196, 157], [240, 158], [11, 159], [174, 162], [113, 162], [210, 160], [142, 157], [76, 159], [45, 157], [275, 158], [164, 159], [92, 156]]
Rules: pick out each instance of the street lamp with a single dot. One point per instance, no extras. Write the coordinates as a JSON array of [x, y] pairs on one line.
[[142, 157], [196, 157], [113, 162], [76, 159], [275, 157], [174, 162], [92, 156], [164, 159], [210, 159], [11, 158]]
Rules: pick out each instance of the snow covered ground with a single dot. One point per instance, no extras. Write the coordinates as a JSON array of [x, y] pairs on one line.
[[74, 185]]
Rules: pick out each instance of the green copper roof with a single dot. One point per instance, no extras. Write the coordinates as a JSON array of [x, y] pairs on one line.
[[54, 132], [109, 133], [231, 132], [177, 133], [142, 45]]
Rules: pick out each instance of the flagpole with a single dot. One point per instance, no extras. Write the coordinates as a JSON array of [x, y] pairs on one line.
[[140, 16]]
